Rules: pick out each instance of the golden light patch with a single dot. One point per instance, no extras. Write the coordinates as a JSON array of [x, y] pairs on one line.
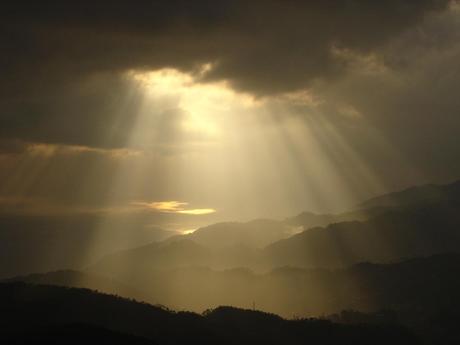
[[173, 207], [187, 231], [166, 206], [198, 211], [46, 150]]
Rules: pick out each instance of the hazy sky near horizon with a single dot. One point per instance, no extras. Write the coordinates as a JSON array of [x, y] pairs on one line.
[[189, 112]]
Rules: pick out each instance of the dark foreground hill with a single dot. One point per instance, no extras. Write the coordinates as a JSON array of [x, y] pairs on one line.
[[60, 315], [69, 334]]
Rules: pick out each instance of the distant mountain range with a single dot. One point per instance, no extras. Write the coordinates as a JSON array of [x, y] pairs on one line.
[[405, 232], [417, 195], [255, 234], [417, 221], [431, 283], [393, 235], [399, 253]]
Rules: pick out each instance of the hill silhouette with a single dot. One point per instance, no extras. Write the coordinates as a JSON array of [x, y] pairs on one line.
[[412, 287], [81, 279], [32, 244], [257, 233], [399, 256], [394, 235], [53, 310], [417, 195], [177, 254], [390, 235], [72, 334]]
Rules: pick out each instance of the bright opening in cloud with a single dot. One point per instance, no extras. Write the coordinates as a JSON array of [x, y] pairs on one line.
[[204, 106], [173, 207]]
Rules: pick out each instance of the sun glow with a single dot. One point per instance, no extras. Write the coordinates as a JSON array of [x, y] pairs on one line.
[[204, 105]]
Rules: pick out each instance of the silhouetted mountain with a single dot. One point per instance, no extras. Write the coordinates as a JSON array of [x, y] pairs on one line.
[[394, 235], [310, 220], [253, 234], [80, 279], [35, 244], [201, 271], [263, 232], [155, 256], [439, 328], [257, 233], [174, 254], [416, 286], [410, 197], [418, 195], [54, 310], [31, 244]]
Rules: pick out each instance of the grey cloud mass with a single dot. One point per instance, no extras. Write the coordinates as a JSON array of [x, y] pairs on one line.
[[261, 46]]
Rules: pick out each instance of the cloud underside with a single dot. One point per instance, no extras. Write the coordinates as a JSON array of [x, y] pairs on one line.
[[262, 47]]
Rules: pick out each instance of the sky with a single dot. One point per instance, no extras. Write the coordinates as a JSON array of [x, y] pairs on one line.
[[184, 113]]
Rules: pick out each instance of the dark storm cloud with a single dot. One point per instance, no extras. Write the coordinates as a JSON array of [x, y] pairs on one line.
[[261, 46], [51, 48]]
